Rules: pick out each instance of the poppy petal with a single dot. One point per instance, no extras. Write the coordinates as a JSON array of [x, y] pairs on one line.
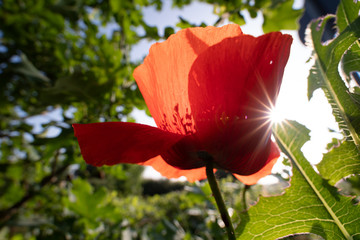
[[232, 87], [163, 77], [168, 171], [111, 143], [266, 170]]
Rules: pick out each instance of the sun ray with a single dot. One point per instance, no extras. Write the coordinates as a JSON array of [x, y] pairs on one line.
[[267, 114], [273, 113]]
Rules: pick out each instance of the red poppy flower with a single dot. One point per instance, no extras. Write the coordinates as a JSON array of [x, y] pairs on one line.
[[209, 91]]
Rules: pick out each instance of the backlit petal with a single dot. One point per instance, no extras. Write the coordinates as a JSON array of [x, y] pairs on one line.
[[232, 87], [120, 142], [169, 171], [266, 170], [163, 77]]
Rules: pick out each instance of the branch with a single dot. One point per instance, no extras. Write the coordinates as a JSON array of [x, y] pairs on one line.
[[6, 214]]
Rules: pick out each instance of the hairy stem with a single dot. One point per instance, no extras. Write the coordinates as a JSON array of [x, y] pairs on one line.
[[219, 200]]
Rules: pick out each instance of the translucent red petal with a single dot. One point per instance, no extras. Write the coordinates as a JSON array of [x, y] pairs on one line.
[[163, 77], [169, 171], [117, 142], [266, 170], [232, 88]]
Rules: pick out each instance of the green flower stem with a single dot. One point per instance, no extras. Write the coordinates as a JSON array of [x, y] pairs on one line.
[[243, 197], [219, 200]]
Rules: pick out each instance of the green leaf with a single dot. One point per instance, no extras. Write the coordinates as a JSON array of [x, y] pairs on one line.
[[325, 75], [151, 32], [89, 203], [315, 80], [184, 23], [26, 68], [309, 205], [168, 31], [356, 95], [344, 160], [351, 60], [340, 162], [76, 87], [115, 5], [346, 13], [281, 16], [237, 18]]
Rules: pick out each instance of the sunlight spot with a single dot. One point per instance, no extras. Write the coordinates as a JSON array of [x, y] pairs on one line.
[[268, 180], [276, 115]]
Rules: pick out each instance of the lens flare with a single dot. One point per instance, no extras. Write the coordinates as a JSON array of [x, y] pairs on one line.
[[276, 115]]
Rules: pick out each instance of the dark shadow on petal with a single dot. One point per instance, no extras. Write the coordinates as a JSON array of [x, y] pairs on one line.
[[196, 43], [184, 154]]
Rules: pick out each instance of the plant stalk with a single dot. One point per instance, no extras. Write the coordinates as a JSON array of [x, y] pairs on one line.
[[219, 200]]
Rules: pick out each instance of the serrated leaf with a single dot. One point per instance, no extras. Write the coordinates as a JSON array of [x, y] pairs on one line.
[[346, 13], [309, 205], [315, 79], [340, 162], [327, 59], [351, 60], [356, 95]]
